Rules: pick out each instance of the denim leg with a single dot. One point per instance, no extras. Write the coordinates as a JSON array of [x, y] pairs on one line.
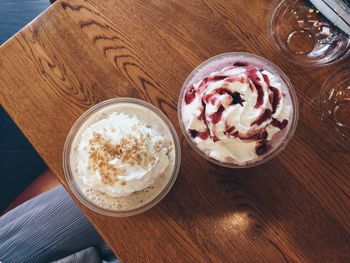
[[46, 228]]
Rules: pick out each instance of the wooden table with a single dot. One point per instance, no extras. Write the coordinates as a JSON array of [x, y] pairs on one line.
[[295, 208]]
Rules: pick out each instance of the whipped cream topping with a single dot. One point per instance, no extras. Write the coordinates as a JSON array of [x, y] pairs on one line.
[[233, 114], [119, 155]]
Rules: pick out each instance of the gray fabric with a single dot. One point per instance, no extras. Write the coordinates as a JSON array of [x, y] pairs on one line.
[[88, 255], [47, 228]]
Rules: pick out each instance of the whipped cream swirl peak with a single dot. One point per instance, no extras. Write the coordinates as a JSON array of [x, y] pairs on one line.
[[120, 154], [233, 114]]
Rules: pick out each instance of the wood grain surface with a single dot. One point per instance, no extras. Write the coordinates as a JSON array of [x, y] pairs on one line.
[[295, 208]]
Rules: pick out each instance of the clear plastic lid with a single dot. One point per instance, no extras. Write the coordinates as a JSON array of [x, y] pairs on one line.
[[335, 106], [306, 36]]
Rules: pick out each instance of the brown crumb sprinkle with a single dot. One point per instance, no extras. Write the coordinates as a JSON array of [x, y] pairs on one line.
[[158, 146], [131, 150]]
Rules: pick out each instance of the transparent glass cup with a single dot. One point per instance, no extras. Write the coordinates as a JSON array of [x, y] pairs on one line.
[[304, 36], [77, 129], [335, 106], [221, 61]]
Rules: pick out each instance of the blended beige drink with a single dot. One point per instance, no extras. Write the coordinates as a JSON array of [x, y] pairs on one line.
[[123, 156]]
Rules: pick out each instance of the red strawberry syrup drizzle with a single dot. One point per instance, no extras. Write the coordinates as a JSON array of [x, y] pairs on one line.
[[190, 95], [274, 97]]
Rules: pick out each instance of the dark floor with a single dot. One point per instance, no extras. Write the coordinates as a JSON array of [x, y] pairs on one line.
[[19, 163]]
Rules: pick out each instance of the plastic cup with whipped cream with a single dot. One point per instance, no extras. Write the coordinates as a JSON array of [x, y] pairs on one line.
[[238, 110], [121, 157]]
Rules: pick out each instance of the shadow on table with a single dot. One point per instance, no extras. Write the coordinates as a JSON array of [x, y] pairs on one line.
[[265, 204]]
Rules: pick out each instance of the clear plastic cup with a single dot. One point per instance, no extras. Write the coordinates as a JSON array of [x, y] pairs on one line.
[[335, 106], [303, 35], [228, 59], [91, 116]]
